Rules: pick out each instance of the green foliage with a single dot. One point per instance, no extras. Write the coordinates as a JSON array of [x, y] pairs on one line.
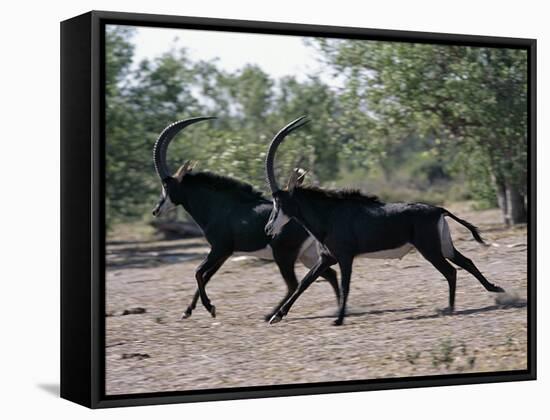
[[471, 100], [140, 103], [142, 98], [411, 121]]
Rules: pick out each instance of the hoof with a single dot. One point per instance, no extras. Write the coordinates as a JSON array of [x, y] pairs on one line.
[[186, 314], [446, 311], [275, 318], [213, 311], [498, 289], [338, 322]]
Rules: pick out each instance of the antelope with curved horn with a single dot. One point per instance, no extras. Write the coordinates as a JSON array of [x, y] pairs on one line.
[[232, 216], [349, 224]]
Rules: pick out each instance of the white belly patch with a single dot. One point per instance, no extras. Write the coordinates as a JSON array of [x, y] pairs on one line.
[[447, 247], [265, 253], [399, 252]]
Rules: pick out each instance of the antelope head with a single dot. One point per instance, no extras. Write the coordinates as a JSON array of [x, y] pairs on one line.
[[170, 183], [284, 207]]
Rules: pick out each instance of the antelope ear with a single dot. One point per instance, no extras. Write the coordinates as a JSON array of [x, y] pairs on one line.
[[301, 176], [183, 170], [296, 178]]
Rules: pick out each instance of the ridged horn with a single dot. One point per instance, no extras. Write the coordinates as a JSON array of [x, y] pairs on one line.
[[277, 140], [161, 145]]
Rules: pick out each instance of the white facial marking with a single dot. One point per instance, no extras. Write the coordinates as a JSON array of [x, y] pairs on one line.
[[166, 205]]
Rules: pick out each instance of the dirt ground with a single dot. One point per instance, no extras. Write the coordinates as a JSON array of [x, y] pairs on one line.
[[393, 328]]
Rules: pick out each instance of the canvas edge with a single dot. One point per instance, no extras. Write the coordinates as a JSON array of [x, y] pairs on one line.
[[75, 176], [94, 388]]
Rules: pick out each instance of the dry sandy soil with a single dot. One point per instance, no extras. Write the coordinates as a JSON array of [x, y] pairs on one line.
[[393, 328]]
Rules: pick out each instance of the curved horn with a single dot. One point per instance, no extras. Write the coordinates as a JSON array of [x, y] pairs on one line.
[[161, 145], [278, 139]]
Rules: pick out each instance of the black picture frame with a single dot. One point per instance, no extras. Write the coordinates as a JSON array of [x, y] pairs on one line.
[[83, 218]]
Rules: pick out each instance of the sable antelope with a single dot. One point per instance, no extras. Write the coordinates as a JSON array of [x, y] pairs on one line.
[[349, 224], [232, 216]]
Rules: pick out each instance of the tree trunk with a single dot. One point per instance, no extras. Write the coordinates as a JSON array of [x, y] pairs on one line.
[[511, 202], [515, 205], [500, 189], [502, 201]]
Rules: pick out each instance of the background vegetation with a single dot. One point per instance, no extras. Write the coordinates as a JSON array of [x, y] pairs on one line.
[[409, 122]]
